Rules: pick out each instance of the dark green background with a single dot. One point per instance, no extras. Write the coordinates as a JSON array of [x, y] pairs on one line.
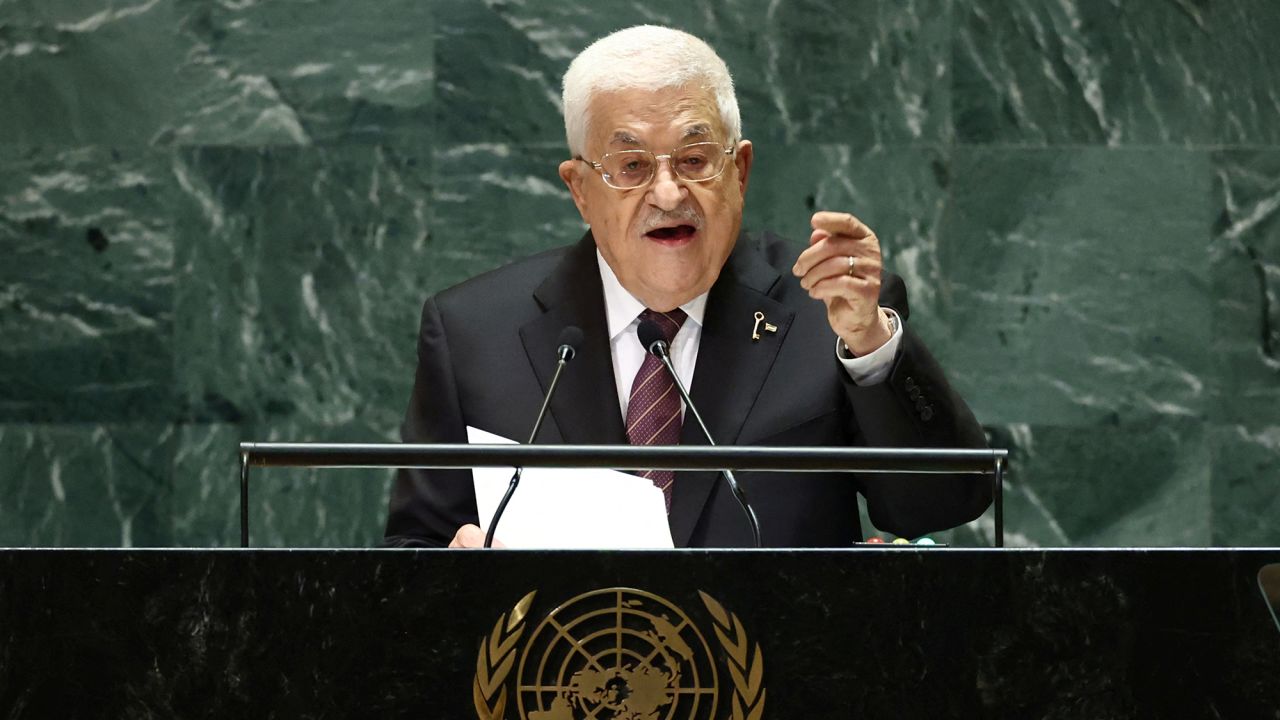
[[219, 220]]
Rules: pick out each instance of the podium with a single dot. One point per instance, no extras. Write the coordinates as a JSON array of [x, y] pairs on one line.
[[851, 633]]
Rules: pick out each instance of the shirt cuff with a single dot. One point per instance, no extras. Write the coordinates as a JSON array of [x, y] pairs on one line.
[[873, 367]]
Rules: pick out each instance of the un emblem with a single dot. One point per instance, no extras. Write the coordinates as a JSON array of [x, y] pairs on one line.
[[617, 654]]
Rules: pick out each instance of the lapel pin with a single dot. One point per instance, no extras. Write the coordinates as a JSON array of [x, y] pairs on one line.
[[768, 326]]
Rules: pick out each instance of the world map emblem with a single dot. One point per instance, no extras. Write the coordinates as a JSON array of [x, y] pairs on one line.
[[619, 654]]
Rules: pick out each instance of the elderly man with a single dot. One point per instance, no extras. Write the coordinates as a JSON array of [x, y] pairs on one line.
[[778, 347]]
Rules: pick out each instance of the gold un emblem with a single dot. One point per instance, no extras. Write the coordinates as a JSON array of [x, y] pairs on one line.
[[617, 654]]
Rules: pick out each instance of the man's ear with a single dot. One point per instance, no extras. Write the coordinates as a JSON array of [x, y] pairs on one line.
[[742, 158], [573, 176]]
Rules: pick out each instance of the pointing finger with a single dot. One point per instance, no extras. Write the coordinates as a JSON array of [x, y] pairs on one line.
[[837, 223]]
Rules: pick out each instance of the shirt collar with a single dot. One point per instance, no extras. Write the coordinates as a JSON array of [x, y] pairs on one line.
[[621, 307]]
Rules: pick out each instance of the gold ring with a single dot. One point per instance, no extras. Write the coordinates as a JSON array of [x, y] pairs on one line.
[[850, 264]]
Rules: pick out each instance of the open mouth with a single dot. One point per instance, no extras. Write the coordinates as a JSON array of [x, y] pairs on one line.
[[677, 233]]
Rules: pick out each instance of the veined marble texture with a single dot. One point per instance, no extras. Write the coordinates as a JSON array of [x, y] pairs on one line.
[[1181, 72], [1245, 263], [84, 484], [295, 265], [299, 72], [865, 71], [219, 220], [1075, 283], [84, 72], [86, 284]]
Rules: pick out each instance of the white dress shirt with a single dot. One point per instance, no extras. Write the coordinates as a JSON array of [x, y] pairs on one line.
[[622, 311]]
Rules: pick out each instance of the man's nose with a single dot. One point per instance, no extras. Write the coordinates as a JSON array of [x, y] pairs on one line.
[[666, 192]]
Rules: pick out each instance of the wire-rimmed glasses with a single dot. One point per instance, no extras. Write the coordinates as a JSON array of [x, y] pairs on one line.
[[631, 169]]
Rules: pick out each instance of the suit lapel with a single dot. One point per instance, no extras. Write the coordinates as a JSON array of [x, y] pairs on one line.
[[730, 371], [585, 408]]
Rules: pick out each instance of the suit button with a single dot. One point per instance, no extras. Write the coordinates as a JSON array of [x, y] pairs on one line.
[[921, 404], [913, 393], [910, 383], [926, 413]]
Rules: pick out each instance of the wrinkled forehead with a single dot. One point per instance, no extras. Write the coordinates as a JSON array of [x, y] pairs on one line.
[[643, 117]]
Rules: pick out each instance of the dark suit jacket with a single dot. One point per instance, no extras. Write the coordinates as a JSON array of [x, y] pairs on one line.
[[487, 350]]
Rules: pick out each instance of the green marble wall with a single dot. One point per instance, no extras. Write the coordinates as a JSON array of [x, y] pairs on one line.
[[219, 219]]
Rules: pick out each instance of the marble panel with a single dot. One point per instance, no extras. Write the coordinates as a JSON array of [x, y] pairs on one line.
[[288, 507], [1245, 272], [304, 71], [864, 73], [1246, 485], [1075, 284], [86, 286], [495, 203], [85, 485], [206, 485], [494, 83], [1133, 483], [302, 278], [1050, 72], [87, 71], [800, 77]]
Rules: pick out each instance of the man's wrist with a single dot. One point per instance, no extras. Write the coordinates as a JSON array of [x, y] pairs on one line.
[[874, 338]]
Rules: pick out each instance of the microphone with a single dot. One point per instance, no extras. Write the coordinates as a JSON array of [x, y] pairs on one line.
[[570, 339], [655, 344]]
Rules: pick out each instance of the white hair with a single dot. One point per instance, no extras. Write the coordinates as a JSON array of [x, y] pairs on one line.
[[646, 57]]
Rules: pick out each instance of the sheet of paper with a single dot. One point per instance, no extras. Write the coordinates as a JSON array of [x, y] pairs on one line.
[[570, 507]]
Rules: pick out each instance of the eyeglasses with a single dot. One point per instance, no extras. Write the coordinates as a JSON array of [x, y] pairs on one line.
[[631, 169]]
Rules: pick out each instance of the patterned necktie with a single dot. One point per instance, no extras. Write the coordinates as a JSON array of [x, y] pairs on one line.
[[653, 413]]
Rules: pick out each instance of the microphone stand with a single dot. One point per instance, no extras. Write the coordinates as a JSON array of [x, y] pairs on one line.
[[566, 354], [659, 348]]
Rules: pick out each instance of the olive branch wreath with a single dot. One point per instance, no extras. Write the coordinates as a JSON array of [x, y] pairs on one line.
[[494, 661], [745, 668], [497, 656]]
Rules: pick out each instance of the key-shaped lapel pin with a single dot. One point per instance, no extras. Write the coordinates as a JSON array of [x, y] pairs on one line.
[[768, 326]]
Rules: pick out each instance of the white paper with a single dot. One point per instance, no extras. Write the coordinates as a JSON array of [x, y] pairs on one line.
[[570, 507]]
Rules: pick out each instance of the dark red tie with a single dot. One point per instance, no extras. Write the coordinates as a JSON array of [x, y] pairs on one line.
[[653, 413]]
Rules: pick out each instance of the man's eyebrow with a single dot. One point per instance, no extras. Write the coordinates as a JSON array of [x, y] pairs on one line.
[[699, 130], [621, 137]]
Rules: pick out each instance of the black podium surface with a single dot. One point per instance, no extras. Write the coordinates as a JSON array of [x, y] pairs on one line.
[[876, 633]]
